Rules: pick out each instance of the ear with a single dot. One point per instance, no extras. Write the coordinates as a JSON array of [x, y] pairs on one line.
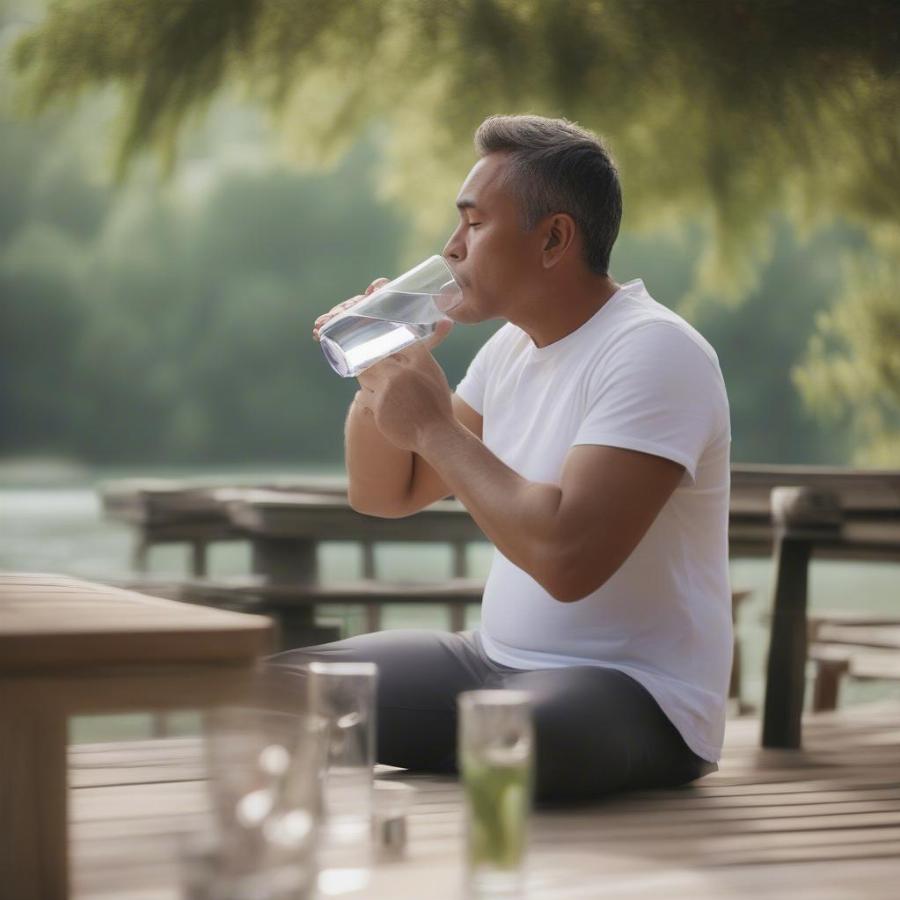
[[559, 236]]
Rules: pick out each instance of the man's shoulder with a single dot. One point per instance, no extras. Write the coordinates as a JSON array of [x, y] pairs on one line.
[[648, 326]]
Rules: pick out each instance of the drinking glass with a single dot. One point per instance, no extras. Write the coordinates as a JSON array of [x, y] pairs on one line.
[[496, 754], [392, 802], [343, 694], [396, 315], [265, 771]]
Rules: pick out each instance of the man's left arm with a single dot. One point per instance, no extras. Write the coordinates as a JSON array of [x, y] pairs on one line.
[[572, 537]]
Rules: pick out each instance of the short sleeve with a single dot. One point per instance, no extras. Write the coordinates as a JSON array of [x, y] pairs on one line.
[[473, 386], [658, 392]]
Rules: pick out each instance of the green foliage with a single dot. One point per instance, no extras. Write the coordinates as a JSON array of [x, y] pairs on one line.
[[758, 342], [713, 108], [851, 373], [138, 326], [733, 116]]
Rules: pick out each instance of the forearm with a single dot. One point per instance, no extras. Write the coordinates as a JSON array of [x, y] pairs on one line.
[[379, 472], [517, 515]]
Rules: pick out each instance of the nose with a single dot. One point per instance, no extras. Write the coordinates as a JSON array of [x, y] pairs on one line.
[[455, 248]]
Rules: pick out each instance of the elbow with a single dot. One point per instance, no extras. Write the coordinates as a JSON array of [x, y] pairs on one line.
[[566, 594], [570, 582], [360, 506], [357, 504]]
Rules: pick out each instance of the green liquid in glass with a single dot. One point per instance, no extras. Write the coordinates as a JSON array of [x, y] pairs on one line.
[[499, 797]]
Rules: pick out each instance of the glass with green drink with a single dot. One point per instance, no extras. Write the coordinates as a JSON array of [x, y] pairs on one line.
[[496, 758]]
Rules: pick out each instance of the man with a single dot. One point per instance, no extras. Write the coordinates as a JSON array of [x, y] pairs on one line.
[[590, 442]]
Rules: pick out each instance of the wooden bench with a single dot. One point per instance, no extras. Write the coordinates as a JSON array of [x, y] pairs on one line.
[[281, 600], [69, 646], [844, 644]]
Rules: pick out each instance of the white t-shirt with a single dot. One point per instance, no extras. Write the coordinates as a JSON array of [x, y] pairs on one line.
[[635, 375]]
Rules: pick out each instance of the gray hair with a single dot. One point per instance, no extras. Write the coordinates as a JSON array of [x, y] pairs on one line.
[[557, 166]]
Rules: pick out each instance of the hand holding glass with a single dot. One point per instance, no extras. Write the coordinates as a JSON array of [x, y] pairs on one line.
[[397, 314]]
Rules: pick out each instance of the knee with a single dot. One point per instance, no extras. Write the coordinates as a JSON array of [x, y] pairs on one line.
[[570, 767]]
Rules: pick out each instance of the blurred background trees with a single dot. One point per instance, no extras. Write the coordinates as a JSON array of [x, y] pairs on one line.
[[203, 179]]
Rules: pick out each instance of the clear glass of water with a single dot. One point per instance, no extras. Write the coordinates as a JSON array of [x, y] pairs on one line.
[[343, 695], [396, 315], [265, 771], [496, 761]]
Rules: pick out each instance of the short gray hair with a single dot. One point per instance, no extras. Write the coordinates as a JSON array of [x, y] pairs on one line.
[[557, 166]]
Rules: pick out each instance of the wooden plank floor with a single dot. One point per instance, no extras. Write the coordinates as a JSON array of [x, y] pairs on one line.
[[820, 823]]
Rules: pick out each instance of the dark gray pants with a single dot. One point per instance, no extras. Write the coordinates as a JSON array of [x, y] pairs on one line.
[[596, 730]]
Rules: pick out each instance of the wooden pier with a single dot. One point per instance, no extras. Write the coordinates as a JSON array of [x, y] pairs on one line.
[[802, 804], [822, 823]]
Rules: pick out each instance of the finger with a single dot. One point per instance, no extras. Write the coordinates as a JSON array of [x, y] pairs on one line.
[[442, 329], [337, 310], [377, 283], [377, 371], [361, 400]]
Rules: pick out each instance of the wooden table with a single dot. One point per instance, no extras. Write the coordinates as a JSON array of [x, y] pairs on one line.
[[284, 523], [166, 511], [284, 528], [69, 646]]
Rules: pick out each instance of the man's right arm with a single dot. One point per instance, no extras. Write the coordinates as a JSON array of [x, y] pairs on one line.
[[386, 481]]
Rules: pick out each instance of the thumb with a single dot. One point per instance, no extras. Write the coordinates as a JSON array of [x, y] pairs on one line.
[[442, 329]]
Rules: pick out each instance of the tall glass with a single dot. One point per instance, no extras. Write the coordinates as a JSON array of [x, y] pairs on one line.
[[398, 314], [343, 694], [265, 772], [496, 754]]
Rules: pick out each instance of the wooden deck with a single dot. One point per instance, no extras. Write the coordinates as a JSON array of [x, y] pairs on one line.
[[822, 822]]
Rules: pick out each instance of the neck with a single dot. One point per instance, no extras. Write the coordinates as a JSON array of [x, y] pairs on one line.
[[563, 308]]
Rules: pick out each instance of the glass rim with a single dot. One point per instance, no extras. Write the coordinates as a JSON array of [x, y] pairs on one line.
[[494, 697], [434, 259]]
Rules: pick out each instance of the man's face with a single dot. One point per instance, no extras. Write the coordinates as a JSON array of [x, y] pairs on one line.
[[493, 259]]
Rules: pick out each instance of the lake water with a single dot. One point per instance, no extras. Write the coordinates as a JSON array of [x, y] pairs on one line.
[[59, 528]]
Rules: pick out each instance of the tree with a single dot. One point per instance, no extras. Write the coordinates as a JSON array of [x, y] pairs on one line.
[[728, 113], [852, 369]]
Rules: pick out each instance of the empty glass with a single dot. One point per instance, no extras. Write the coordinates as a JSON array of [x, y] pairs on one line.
[[265, 771], [343, 694], [496, 758], [396, 315]]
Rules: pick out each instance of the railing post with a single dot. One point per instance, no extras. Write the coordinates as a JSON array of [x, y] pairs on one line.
[[284, 560], [368, 567], [801, 517], [198, 559], [140, 551]]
